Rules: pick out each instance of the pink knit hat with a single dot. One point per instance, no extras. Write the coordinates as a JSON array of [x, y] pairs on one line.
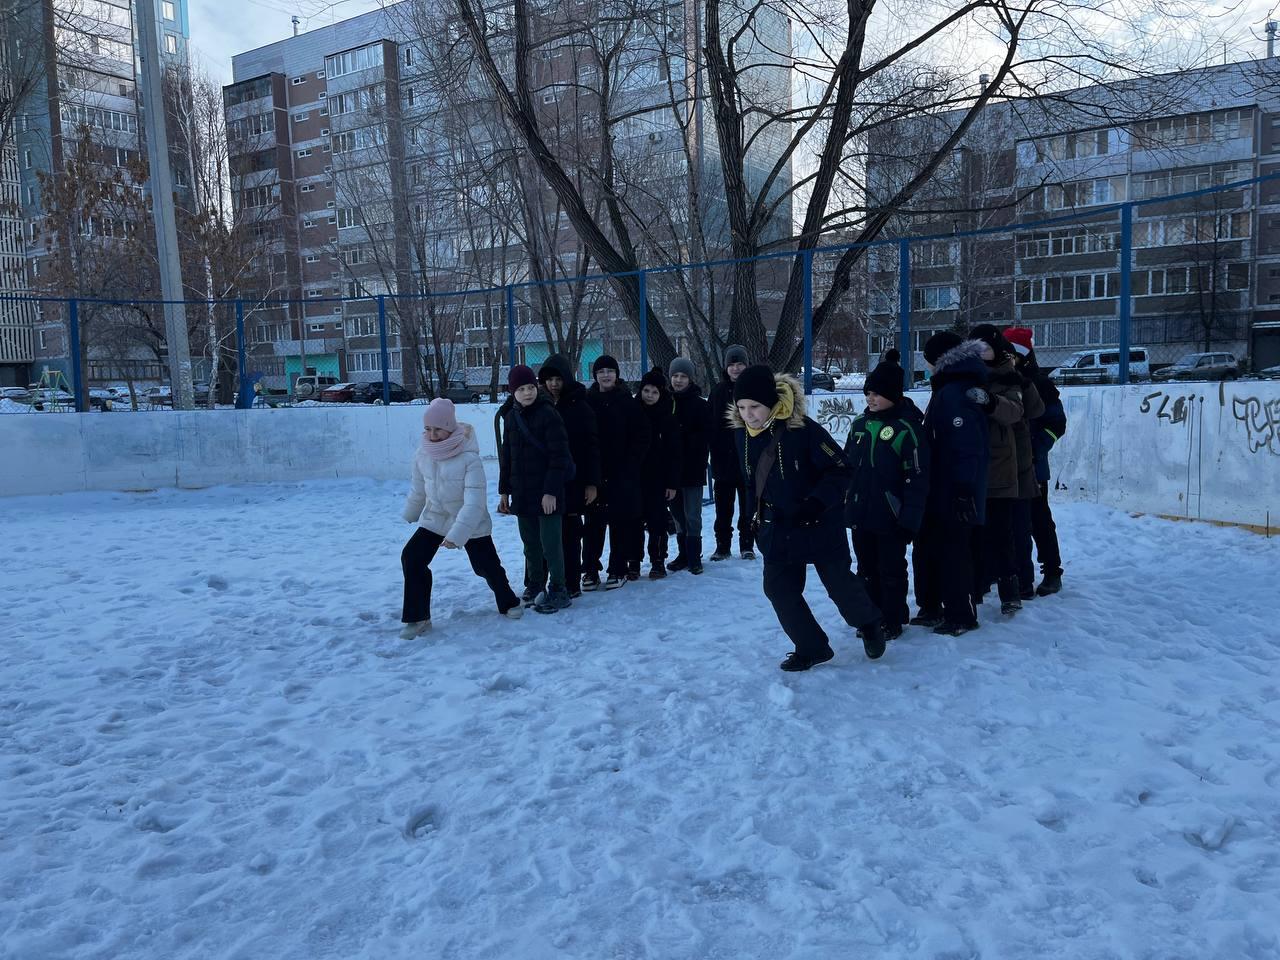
[[440, 414]]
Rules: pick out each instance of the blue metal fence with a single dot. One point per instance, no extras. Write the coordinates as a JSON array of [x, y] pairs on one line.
[[903, 246]]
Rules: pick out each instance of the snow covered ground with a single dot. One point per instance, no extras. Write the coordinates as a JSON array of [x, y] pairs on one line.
[[212, 746]]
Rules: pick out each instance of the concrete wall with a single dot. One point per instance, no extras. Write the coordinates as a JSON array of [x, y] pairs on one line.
[[1203, 451]]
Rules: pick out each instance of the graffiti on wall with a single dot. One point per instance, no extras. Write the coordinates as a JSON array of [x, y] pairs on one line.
[[836, 414], [1170, 409], [1261, 419]]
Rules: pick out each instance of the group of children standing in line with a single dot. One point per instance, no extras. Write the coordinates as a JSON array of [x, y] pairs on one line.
[[966, 480]]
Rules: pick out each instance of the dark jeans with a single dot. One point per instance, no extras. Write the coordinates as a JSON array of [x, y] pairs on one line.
[[1045, 533], [943, 560], [655, 524], [626, 544], [686, 508], [784, 586], [882, 565], [1022, 545], [998, 552], [543, 550], [726, 494], [415, 561]]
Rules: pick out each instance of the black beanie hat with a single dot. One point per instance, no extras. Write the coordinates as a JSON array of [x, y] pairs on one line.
[[757, 383], [654, 378], [886, 380], [940, 343], [990, 334], [892, 356], [604, 362], [735, 353]]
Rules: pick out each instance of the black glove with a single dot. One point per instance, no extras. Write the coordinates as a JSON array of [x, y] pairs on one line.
[[983, 399], [809, 512], [964, 505]]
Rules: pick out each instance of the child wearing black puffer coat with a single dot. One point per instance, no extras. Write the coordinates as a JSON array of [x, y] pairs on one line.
[[888, 487], [660, 470]]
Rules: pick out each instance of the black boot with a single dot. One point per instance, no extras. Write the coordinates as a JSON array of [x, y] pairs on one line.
[[695, 555], [1050, 585], [795, 662], [1009, 602], [681, 562], [928, 618], [723, 552], [657, 570], [873, 639]]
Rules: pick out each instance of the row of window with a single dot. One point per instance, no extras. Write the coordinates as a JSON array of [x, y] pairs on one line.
[[80, 115], [1158, 282], [251, 126]]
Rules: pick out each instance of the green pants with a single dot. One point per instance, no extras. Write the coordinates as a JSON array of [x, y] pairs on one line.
[[543, 550]]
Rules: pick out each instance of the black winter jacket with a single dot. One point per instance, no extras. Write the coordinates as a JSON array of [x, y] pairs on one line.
[[889, 473], [694, 414], [624, 440], [809, 465], [580, 423], [1048, 428], [533, 462], [661, 469], [957, 431], [725, 465]]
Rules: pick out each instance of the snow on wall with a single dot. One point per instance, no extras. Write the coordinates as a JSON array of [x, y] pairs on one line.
[[1206, 451]]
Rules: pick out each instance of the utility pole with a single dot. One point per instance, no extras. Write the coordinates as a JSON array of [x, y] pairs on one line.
[[157, 134]]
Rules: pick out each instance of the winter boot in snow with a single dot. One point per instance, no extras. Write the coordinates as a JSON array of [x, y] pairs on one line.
[[954, 629], [1050, 585], [681, 562], [411, 630], [552, 600], [891, 631], [873, 639], [1027, 593], [514, 613], [590, 582], [695, 555], [928, 618], [795, 662], [1009, 590], [657, 570], [530, 596], [723, 552], [613, 583]]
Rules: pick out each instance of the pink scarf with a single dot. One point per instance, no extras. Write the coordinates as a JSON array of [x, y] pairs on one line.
[[451, 446]]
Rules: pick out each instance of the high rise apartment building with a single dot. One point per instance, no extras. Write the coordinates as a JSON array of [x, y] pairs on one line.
[[1205, 270]]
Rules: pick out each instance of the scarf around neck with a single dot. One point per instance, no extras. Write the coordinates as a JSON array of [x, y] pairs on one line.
[[782, 410], [449, 447]]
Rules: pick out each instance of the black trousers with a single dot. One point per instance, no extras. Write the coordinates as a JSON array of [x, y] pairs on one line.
[[1045, 533], [882, 565], [415, 561], [726, 494], [571, 537], [784, 586], [656, 517], [998, 550], [943, 561], [1022, 545], [626, 543]]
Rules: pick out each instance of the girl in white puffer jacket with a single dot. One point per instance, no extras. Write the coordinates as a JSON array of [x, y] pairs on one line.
[[448, 502]]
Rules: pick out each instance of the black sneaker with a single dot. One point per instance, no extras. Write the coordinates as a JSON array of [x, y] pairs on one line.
[[552, 601], [613, 583], [681, 562], [722, 553], [748, 554], [1050, 585], [795, 663], [530, 596], [873, 639], [633, 575], [1028, 594], [657, 571], [590, 581], [954, 629], [575, 593], [1010, 607], [695, 566], [929, 619], [891, 631]]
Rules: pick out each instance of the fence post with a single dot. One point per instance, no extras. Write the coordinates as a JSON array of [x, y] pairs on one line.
[[806, 263], [643, 285], [905, 349], [511, 327], [1126, 300], [242, 374], [386, 359], [77, 382]]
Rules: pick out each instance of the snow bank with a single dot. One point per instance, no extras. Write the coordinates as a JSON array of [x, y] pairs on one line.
[[213, 747]]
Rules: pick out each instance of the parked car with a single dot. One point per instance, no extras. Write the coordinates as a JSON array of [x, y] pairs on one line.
[[102, 398], [1201, 366], [1101, 366], [371, 392], [200, 391], [52, 398], [16, 394], [311, 386], [459, 392], [823, 381], [344, 392], [1270, 373]]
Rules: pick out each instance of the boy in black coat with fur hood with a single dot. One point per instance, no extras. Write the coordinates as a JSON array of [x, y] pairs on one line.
[[888, 487], [796, 477]]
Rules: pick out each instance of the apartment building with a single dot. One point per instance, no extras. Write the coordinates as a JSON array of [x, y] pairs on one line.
[[376, 186], [1205, 270], [87, 51]]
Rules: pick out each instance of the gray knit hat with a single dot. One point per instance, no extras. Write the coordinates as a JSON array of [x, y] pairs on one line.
[[735, 353], [681, 365]]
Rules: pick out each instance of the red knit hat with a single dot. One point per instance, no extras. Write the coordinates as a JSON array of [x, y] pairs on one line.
[[1021, 339]]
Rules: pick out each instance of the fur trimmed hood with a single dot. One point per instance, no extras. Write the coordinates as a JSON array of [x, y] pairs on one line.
[[968, 350], [798, 405]]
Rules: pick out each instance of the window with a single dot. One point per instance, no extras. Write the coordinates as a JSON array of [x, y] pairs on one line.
[[331, 204], [313, 258], [408, 56], [549, 97], [40, 338], [298, 118], [316, 327], [307, 188], [305, 152], [320, 76], [1075, 146], [935, 298], [361, 326], [307, 223], [170, 43], [26, 159], [362, 58], [349, 217], [1084, 286], [1178, 231], [298, 80], [408, 96], [1085, 193], [1057, 243], [167, 11], [353, 255], [1196, 128], [324, 132]]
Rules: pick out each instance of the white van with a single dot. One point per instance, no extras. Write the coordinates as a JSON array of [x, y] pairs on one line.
[[1101, 366], [310, 386]]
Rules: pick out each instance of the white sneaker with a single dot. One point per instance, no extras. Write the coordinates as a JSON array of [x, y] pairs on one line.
[[412, 630], [515, 613]]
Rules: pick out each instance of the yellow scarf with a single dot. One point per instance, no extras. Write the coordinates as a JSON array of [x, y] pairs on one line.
[[782, 410]]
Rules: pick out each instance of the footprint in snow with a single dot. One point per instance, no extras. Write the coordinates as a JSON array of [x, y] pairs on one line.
[[422, 823], [216, 582]]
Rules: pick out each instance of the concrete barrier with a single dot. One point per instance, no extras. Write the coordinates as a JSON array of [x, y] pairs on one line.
[[1200, 451]]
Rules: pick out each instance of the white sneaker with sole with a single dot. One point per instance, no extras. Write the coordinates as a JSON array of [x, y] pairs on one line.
[[412, 630], [515, 613]]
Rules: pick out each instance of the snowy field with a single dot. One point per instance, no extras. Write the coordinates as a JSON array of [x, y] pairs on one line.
[[213, 746]]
